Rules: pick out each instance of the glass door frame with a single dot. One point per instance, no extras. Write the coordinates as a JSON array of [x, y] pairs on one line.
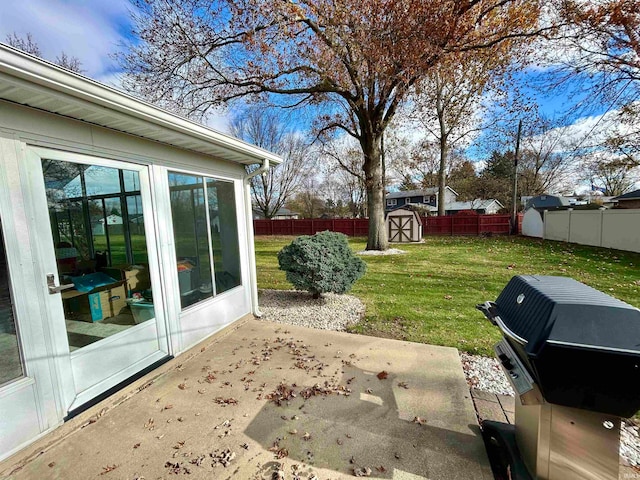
[[72, 398], [30, 404]]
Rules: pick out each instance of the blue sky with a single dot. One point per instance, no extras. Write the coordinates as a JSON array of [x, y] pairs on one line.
[[89, 30], [92, 30]]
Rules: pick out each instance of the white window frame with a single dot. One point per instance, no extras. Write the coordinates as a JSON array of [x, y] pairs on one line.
[[392, 202]]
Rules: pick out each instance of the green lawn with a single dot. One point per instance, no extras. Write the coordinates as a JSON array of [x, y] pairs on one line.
[[429, 294]]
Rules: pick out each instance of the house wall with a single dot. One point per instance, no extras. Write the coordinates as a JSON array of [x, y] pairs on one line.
[[49, 382], [619, 229], [629, 203], [449, 196]]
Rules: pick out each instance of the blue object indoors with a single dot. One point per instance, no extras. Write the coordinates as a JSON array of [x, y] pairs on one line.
[[86, 283]]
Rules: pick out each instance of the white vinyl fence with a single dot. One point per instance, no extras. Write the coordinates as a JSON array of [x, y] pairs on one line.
[[619, 229]]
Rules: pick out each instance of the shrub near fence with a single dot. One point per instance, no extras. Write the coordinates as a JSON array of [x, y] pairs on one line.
[[359, 227]]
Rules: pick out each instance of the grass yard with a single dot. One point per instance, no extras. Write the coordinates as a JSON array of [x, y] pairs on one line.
[[429, 294]]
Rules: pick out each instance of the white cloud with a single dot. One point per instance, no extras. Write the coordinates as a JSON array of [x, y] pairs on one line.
[[87, 30]]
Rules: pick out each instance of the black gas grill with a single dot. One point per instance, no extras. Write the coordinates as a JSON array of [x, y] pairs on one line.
[[567, 345]]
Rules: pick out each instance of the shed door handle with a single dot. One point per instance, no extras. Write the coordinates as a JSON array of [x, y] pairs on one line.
[[53, 288]]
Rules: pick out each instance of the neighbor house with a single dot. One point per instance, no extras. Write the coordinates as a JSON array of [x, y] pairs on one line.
[[628, 200], [282, 214], [85, 307], [428, 199]]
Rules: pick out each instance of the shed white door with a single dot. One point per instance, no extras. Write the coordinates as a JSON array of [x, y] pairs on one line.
[[109, 325]]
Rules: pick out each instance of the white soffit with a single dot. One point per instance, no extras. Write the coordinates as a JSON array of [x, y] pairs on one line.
[[30, 81]]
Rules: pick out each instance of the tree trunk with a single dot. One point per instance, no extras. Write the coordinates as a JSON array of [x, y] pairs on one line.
[[444, 150], [442, 177], [374, 182]]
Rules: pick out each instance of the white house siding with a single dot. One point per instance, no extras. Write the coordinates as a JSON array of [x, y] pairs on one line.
[[49, 385]]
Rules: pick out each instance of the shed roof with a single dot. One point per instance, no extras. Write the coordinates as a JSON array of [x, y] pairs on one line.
[[635, 195], [31, 81]]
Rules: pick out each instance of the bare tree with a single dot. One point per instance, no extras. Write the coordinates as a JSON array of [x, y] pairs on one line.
[[547, 159], [359, 59], [262, 127], [343, 169], [449, 102], [28, 45], [616, 174]]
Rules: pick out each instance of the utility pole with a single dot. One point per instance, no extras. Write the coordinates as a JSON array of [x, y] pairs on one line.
[[514, 199]]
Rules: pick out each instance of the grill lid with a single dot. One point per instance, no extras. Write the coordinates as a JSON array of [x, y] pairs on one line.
[[561, 310]]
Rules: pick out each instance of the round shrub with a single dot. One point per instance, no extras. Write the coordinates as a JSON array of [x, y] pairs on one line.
[[321, 263]]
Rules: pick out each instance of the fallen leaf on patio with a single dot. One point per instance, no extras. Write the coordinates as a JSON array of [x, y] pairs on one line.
[[52, 464], [108, 468], [381, 469], [369, 391], [198, 460], [313, 476], [159, 437], [382, 375], [245, 446], [226, 401], [397, 455], [404, 385], [362, 472], [224, 458], [278, 474], [149, 424], [448, 297], [210, 378], [166, 407], [419, 420], [293, 432], [182, 386], [306, 436], [136, 445], [339, 441], [181, 419], [202, 391], [176, 468], [179, 445]]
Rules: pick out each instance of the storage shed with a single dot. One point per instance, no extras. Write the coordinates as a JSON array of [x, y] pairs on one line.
[[83, 309], [404, 225]]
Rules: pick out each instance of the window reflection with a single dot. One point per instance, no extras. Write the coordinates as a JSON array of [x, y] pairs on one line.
[[206, 232], [10, 360], [97, 222]]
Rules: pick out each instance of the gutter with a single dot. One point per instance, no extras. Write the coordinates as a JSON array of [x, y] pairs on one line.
[[253, 273]]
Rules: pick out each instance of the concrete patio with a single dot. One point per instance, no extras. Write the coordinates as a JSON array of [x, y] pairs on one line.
[[260, 397]]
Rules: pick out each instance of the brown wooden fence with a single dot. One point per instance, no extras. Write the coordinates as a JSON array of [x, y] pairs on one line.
[[354, 227], [466, 225], [358, 227]]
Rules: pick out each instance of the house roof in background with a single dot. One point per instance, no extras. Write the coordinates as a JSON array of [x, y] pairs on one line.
[[30, 81], [418, 193], [476, 204], [635, 195]]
